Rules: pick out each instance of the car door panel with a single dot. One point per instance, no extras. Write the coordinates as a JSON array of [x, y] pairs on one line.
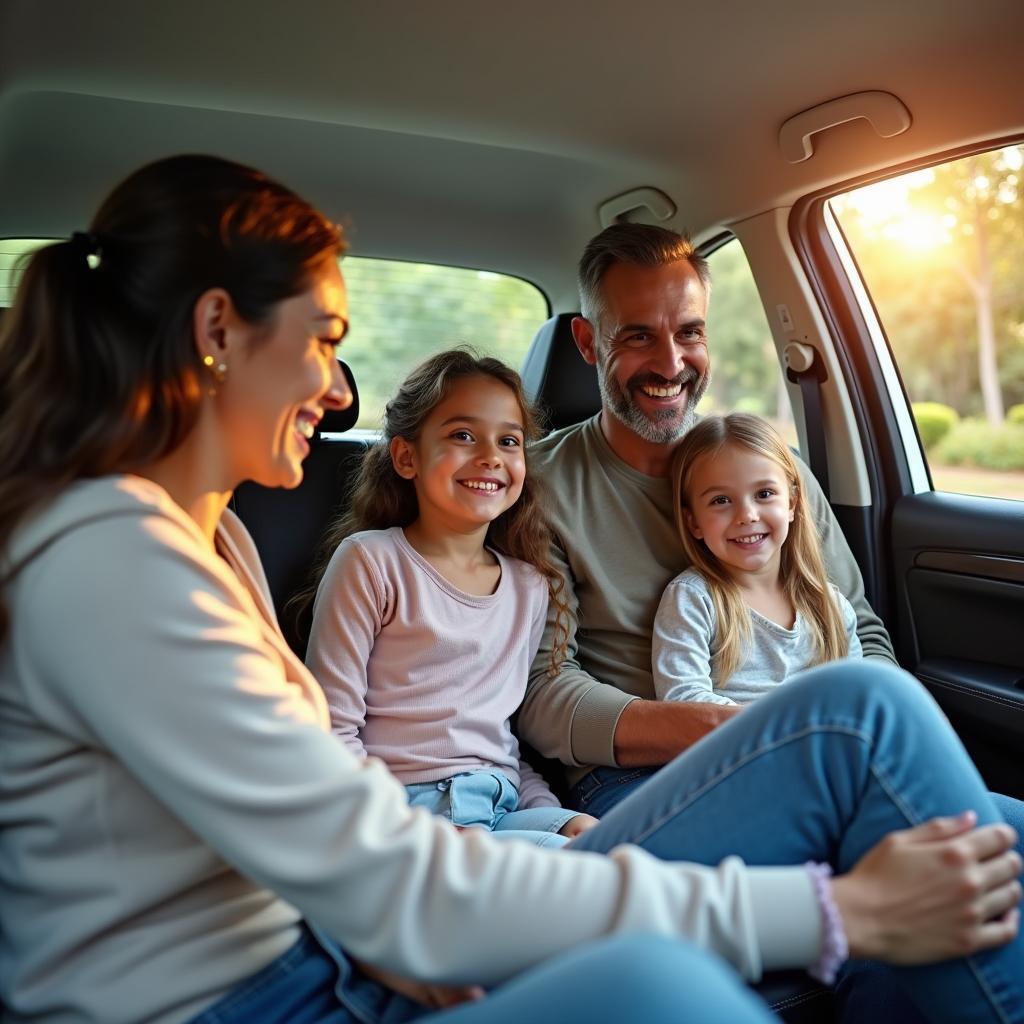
[[959, 582]]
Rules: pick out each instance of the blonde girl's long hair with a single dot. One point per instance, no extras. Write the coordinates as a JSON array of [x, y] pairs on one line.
[[380, 498], [802, 569]]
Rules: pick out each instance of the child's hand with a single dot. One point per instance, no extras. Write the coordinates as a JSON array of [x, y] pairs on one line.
[[574, 826]]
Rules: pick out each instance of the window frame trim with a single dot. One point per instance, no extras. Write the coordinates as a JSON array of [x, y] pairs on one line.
[[350, 254], [835, 280]]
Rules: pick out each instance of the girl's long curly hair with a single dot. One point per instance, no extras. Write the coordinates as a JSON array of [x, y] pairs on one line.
[[380, 498], [802, 569]]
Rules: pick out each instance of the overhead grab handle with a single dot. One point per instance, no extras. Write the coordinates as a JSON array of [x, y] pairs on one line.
[[883, 111], [638, 205]]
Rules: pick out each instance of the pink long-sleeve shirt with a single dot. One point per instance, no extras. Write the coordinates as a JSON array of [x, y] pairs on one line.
[[421, 674]]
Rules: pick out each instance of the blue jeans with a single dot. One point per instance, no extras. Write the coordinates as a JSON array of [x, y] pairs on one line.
[[487, 799], [820, 770], [624, 978]]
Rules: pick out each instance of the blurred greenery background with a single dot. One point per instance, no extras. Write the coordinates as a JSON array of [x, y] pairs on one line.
[[941, 251]]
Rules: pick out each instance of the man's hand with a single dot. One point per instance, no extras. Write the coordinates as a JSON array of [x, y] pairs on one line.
[[943, 889], [437, 997], [574, 826]]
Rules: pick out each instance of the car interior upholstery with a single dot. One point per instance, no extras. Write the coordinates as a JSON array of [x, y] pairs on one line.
[[287, 524], [556, 378]]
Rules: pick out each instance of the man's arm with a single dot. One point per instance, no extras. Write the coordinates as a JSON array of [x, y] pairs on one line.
[[567, 714], [652, 732], [843, 571], [574, 717]]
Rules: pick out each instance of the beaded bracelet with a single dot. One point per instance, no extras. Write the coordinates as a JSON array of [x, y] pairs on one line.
[[834, 947]]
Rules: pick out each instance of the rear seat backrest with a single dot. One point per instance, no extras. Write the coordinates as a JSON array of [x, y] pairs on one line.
[[564, 386], [557, 378], [287, 525]]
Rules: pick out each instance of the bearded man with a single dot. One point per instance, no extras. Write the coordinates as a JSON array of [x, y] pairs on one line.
[[644, 298]]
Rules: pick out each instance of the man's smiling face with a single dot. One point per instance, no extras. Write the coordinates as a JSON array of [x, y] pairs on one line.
[[651, 348]]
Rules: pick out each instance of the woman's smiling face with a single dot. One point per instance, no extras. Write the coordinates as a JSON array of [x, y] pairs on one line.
[[279, 385]]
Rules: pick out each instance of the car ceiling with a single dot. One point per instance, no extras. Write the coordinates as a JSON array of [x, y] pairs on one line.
[[472, 133]]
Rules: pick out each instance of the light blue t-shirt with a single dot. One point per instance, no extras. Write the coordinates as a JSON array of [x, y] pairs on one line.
[[684, 639]]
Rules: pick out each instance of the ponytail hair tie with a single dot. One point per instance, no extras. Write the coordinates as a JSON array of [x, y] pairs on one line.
[[88, 247]]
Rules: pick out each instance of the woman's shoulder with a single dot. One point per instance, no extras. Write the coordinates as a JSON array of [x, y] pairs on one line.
[[148, 554], [98, 501], [110, 495]]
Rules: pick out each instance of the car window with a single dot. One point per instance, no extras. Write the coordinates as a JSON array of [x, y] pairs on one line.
[[11, 252], [746, 374], [401, 314], [941, 252]]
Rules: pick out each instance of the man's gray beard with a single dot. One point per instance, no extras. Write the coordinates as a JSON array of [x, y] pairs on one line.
[[664, 427]]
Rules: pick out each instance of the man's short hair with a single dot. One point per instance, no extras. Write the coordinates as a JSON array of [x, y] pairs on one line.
[[644, 245]]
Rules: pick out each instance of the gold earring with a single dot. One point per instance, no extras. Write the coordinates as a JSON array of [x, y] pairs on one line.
[[219, 371]]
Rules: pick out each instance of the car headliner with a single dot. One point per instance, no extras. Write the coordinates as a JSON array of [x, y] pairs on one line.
[[481, 134]]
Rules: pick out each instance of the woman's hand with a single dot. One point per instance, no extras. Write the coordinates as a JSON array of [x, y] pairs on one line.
[[943, 889], [437, 997], [574, 826]]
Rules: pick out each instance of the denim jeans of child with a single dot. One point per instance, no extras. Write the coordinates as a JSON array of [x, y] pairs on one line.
[[487, 799]]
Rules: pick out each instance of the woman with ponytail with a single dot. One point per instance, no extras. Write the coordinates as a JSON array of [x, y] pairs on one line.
[[182, 838]]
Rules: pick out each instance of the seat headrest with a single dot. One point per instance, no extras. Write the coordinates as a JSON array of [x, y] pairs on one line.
[[337, 421], [557, 379]]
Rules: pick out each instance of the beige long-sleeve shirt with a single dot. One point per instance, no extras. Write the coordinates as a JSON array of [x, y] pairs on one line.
[[172, 801], [616, 545], [421, 674]]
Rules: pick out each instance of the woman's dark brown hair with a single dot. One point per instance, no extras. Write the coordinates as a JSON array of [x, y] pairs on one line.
[[99, 372], [381, 498]]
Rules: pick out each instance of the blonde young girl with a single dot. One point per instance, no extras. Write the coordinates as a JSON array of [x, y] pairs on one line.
[[432, 606], [756, 604]]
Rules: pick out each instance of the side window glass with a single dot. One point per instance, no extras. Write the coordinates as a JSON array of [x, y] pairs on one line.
[[746, 374], [402, 313], [11, 252], [941, 252]]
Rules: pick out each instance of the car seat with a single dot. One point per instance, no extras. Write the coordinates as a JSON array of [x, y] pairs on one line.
[[288, 524], [557, 379]]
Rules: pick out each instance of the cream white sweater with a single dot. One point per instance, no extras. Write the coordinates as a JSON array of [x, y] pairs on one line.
[[166, 766]]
